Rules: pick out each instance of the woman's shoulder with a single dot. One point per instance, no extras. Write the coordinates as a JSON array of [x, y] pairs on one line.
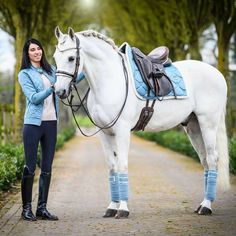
[[23, 72]]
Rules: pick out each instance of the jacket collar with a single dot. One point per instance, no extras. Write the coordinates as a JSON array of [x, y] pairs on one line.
[[41, 71], [37, 69]]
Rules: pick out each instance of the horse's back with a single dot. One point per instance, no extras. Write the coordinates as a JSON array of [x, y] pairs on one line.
[[201, 75], [205, 84]]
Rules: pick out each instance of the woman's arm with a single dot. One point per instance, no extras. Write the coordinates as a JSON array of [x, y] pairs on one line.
[[80, 77], [30, 91]]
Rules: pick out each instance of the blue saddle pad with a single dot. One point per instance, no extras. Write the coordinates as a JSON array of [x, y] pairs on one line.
[[172, 72]]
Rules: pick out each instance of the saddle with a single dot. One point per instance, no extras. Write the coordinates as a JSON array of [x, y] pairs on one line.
[[152, 70]]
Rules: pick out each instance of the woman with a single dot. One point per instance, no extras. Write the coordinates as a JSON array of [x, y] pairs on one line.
[[37, 79]]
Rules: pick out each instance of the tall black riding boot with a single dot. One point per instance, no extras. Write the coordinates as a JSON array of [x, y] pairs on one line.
[[44, 183], [26, 194]]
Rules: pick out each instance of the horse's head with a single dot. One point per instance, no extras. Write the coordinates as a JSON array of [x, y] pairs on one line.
[[68, 61]]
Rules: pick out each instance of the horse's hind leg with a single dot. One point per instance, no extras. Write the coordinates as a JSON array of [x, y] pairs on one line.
[[209, 126], [194, 133]]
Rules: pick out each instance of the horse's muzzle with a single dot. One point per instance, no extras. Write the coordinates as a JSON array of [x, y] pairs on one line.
[[62, 94]]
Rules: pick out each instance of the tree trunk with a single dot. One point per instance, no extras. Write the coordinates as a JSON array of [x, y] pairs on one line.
[[19, 99], [194, 49], [223, 65]]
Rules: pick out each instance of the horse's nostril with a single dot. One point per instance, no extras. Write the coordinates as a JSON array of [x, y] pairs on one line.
[[62, 94]]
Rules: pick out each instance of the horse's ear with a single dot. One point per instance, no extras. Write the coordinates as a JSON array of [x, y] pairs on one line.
[[58, 33], [71, 33]]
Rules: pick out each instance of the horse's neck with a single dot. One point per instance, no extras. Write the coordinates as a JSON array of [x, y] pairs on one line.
[[102, 66]]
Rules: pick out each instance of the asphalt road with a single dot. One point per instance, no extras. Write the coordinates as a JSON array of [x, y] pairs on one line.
[[165, 188]]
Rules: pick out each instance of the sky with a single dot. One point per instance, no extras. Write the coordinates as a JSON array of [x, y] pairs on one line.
[[7, 53]]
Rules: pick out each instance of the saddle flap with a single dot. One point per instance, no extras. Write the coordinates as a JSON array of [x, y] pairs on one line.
[[153, 73], [143, 62], [138, 53]]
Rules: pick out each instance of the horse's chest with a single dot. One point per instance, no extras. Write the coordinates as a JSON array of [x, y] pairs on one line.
[[99, 114]]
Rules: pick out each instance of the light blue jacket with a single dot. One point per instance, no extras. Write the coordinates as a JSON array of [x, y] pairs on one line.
[[33, 88]]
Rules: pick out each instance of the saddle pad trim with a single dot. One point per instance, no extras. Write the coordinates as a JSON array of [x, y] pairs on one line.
[[140, 87]]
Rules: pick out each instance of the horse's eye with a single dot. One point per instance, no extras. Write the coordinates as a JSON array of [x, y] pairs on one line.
[[71, 59]]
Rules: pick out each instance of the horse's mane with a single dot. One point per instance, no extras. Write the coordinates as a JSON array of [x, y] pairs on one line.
[[93, 33]]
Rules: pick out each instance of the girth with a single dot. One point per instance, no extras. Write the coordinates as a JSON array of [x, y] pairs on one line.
[[153, 74]]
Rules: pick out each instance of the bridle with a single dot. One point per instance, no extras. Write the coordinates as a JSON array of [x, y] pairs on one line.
[[75, 108], [77, 62]]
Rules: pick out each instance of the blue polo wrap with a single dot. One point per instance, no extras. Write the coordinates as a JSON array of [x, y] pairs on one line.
[[123, 186], [205, 180], [114, 187], [211, 185]]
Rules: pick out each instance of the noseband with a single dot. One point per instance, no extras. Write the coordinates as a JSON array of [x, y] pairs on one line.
[[77, 63]]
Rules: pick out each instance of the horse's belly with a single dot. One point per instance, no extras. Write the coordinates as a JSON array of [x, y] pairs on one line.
[[170, 113]]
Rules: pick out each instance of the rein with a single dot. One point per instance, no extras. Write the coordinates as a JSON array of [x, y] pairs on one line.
[[74, 108]]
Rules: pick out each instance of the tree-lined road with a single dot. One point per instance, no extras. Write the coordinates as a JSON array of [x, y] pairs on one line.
[[165, 187]]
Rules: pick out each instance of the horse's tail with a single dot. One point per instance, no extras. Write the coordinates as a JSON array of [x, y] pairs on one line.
[[223, 155]]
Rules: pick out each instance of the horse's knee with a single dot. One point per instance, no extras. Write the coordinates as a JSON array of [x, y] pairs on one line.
[[112, 171], [112, 165], [212, 164], [123, 166], [204, 163]]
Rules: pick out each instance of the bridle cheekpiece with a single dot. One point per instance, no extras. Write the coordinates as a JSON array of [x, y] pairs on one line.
[[77, 62]]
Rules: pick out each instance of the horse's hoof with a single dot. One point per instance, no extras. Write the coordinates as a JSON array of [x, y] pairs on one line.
[[122, 214], [110, 213], [197, 210], [204, 211]]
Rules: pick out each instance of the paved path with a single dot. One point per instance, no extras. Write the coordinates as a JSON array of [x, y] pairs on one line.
[[165, 187]]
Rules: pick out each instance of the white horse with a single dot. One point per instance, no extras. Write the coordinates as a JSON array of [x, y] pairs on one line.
[[98, 58]]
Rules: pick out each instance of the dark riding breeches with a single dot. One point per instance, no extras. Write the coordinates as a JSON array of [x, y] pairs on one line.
[[46, 134]]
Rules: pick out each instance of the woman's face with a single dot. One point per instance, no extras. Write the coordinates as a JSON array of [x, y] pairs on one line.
[[35, 53]]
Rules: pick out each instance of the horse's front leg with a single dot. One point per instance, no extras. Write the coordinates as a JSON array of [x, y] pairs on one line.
[[116, 150], [122, 142]]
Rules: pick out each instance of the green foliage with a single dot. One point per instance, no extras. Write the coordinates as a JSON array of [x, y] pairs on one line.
[[11, 164], [64, 136], [60, 141], [6, 119], [8, 171], [147, 24], [178, 141], [172, 139], [12, 159], [84, 121], [232, 154]]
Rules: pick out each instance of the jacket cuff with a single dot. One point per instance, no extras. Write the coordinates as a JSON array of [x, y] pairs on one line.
[[50, 90]]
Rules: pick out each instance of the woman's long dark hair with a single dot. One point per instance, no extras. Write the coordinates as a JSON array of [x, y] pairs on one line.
[[25, 62]]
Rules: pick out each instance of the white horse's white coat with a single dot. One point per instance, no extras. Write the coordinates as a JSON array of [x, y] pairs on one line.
[[101, 64]]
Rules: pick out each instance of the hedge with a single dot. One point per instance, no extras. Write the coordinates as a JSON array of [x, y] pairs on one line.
[[178, 141], [12, 159], [232, 154]]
